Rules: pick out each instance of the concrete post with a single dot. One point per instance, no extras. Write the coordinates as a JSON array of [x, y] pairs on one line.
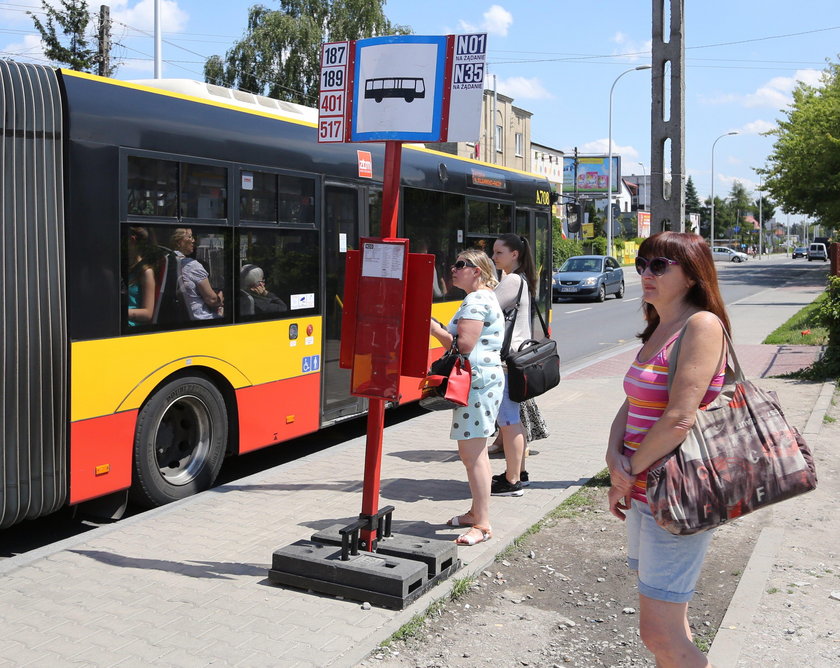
[[667, 117]]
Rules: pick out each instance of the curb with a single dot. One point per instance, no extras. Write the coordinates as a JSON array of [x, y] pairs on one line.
[[730, 638], [469, 569]]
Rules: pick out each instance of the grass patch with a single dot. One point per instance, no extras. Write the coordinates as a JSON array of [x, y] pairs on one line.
[[827, 419], [773, 590], [572, 507], [790, 333], [703, 643], [412, 627]]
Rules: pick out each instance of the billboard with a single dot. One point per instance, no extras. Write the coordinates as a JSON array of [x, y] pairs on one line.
[[590, 175]]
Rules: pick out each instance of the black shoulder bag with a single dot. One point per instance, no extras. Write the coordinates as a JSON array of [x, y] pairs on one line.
[[535, 367]]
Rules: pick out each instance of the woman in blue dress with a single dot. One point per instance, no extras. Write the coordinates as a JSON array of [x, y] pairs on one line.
[[480, 328]]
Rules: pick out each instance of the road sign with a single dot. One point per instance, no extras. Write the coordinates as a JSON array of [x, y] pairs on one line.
[[332, 99], [402, 88]]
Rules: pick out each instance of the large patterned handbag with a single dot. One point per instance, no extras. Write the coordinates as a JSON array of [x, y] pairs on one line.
[[740, 455]]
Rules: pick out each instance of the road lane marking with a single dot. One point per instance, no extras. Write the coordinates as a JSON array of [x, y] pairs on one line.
[[632, 299], [588, 308]]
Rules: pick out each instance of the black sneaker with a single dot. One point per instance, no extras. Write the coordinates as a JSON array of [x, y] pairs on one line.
[[523, 478], [504, 488]]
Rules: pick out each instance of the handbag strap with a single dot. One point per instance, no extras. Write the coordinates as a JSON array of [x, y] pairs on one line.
[[731, 358], [510, 320]]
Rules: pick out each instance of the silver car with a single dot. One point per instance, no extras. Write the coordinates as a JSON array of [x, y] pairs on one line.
[[590, 276], [724, 254]]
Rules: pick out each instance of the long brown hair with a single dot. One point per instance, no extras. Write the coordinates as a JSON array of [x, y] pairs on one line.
[[695, 258], [514, 242]]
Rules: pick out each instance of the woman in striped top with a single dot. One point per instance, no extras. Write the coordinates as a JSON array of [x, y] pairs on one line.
[[680, 292]]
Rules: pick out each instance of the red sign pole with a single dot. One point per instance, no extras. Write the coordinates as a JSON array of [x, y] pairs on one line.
[[376, 407]]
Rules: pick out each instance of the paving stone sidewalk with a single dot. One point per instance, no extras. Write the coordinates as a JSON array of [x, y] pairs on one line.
[[186, 585]]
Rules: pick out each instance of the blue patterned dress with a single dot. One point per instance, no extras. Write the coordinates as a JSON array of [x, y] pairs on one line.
[[478, 418]]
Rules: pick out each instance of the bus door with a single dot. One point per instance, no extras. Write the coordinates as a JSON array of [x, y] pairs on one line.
[[536, 226], [345, 220]]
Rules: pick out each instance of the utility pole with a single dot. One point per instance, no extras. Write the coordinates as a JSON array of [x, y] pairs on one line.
[[104, 58], [667, 116]]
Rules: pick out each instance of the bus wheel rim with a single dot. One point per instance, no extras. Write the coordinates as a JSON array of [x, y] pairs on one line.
[[182, 439]]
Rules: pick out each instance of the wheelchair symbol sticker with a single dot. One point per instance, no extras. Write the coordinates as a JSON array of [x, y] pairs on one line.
[[311, 363]]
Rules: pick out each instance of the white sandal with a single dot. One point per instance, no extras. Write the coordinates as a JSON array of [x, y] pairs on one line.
[[468, 539], [456, 521]]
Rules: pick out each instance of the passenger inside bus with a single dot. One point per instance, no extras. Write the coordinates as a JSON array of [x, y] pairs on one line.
[[254, 297], [141, 277], [202, 301]]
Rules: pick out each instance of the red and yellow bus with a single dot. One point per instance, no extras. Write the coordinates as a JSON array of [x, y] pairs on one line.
[[173, 265]]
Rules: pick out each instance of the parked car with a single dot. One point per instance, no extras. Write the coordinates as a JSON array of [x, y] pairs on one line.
[[592, 276], [799, 251], [722, 253], [817, 252]]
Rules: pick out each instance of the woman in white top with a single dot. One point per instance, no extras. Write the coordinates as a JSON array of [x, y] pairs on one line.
[[203, 302], [512, 255]]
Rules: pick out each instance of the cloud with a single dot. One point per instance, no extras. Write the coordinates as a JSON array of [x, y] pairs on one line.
[[30, 50], [15, 13], [758, 127], [601, 146], [523, 88], [142, 15], [496, 21], [775, 93], [727, 181], [631, 49]]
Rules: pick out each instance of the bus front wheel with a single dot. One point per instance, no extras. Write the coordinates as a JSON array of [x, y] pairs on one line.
[[179, 443]]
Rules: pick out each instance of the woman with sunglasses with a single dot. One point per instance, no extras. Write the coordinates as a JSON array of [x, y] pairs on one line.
[[680, 292], [513, 256], [480, 327]]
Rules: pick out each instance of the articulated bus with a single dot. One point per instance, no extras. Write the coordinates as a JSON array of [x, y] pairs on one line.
[[172, 272]]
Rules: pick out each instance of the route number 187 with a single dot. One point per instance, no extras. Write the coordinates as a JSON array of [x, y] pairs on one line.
[[334, 54]]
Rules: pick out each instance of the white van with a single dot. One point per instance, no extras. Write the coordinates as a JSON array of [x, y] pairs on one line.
[[817, 251]]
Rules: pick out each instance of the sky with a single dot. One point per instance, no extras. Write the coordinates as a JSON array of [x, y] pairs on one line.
[[558, 60]]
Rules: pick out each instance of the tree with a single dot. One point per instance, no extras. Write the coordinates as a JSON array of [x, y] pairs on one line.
[[803, 173], [72, 47], [279, 55], [692, 201]]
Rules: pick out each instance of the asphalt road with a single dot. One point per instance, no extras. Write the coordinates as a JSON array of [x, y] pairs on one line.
[[586, 330]]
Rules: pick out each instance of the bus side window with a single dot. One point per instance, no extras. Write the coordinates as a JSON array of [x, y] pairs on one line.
[[278, 273], [174, 277]]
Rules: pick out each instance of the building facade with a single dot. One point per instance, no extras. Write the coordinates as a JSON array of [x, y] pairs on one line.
[[504, 135]]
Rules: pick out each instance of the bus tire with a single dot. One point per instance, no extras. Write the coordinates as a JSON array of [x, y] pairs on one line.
[[179, 441]]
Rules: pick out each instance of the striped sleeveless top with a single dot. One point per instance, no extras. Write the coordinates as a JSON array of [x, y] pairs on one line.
[[646, 387]]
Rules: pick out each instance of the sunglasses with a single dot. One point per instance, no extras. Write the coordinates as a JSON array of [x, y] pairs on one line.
[[658, 265], [460, 264]]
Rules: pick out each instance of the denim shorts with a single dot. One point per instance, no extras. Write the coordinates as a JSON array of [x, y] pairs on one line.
[[509, 409], [668, 565]]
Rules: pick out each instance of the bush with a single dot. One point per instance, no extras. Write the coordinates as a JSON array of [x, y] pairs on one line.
[[564, 249], [828, 315], [599, 246]]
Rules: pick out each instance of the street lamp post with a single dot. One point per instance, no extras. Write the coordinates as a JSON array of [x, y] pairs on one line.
[[609, 159], [760, 221], [644, 174], [712, 223]]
